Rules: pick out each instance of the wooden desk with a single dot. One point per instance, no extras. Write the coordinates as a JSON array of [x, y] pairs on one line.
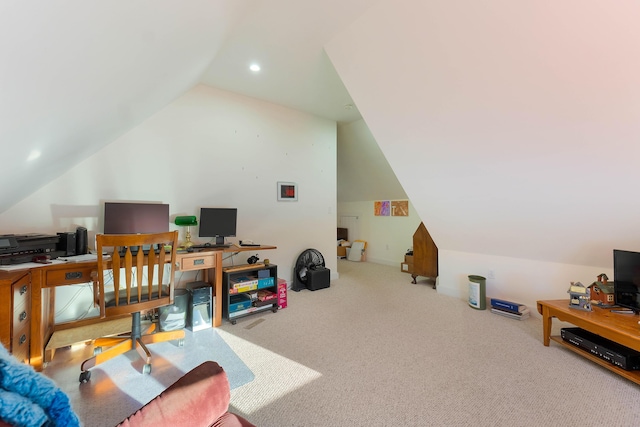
[[41, 282], [621, 328]]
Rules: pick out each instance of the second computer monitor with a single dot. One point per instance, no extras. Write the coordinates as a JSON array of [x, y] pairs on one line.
[[218, 223]]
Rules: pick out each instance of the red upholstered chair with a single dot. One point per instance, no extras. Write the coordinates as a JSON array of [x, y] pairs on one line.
[[200, 398]]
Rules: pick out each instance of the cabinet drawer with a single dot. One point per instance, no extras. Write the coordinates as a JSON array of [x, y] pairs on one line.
[[20, 345], [69, 277], [21, 316], [21, 294], [197, 261]]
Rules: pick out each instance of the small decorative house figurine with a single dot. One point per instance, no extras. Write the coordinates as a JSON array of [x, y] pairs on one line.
[[602, 291], [579, 297]]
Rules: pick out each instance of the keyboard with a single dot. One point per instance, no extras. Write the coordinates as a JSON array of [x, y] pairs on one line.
[[212, 245]]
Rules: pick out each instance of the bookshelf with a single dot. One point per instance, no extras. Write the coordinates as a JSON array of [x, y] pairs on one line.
[[249, 289]]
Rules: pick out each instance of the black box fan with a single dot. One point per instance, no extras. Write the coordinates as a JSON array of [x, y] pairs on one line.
[[309, 271]]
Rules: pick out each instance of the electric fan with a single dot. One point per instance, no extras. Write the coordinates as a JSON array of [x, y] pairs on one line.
[[309, 261]]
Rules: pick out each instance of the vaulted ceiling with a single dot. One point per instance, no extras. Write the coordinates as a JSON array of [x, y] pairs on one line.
[[512, 126], [75, 75]]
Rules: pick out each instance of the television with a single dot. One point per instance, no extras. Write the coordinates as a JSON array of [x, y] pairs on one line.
[[626, 279], [218, 223], [135, 218]]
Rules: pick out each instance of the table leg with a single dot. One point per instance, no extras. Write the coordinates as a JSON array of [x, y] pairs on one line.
[[546, 326]]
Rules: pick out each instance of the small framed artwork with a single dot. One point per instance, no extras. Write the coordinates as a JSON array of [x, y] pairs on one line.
[[399, 208], [287, 192], [381, 208]]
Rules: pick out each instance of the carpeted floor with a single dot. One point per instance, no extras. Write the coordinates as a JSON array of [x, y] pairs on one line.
[[376, 350], [118, 388]]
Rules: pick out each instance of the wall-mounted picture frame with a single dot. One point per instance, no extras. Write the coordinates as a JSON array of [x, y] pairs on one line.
[[381, 208], [287, 192]]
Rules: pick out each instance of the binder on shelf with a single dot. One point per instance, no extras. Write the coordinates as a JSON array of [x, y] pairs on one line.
[[513, 307]]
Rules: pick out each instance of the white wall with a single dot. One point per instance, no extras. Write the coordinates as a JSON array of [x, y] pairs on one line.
[[387, 237], [521, 280], [209, 148], [512, 143]]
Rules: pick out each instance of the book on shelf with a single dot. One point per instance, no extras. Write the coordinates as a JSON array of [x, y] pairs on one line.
[[520, 316], [507, 305]]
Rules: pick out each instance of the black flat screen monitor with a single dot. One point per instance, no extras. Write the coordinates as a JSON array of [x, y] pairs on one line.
[[218, 223], [135, 218], [626, 279]]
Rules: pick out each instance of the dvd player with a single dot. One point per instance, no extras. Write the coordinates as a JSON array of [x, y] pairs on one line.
[[614, 353]]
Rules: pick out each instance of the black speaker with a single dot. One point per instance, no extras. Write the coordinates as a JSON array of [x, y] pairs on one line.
[[319, 278], [200, 312], [67, 243], [81, 241]]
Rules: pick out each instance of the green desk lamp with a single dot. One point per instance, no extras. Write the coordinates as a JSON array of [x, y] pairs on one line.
[[187, 221]]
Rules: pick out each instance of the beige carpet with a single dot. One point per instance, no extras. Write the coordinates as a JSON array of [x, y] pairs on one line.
[[376, 350]]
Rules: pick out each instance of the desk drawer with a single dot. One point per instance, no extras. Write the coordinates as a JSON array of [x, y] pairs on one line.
[[21, 293], [197, 261], [20, 345], [69, 276], [21, 316]]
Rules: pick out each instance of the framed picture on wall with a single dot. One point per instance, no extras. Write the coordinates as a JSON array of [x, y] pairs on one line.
[[287, 192], [381, 208]]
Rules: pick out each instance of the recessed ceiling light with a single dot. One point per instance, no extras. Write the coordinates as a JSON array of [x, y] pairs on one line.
[[254, 67], [34, 154]]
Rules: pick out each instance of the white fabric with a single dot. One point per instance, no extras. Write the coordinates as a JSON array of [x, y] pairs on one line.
[[357, 249]]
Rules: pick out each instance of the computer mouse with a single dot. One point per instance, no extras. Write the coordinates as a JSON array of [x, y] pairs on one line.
[[207, 244]]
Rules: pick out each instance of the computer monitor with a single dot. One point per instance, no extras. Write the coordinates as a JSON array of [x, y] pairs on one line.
[[218, 223], [135, 218]]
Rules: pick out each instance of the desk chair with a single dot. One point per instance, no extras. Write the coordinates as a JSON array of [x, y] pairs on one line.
[[134, 290]]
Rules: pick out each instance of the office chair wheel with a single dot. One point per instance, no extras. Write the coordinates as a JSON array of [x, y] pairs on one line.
[[181, 342], [274, 309], [97, 351], [146, 369], [85, 376]]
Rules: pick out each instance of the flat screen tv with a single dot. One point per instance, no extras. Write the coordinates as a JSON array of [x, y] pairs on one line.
[[218, 223], [135, 218], [626, 279]]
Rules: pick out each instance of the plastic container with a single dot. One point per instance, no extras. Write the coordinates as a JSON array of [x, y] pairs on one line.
[[477, 292]]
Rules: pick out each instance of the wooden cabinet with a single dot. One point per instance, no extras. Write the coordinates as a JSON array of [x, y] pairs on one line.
[[249, 289], [425, 255], [15, 318]]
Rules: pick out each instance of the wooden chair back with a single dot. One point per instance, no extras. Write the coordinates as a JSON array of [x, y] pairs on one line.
[[136, 266]]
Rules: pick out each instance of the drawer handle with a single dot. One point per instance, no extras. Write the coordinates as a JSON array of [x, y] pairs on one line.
[[23, 290], [23, 339], [72, 275], [198, 261], [23, 315]]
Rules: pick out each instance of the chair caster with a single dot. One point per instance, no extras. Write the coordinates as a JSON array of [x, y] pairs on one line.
[[85, 376], [275, 309], [97, 351], [146, 369], [181, 342]]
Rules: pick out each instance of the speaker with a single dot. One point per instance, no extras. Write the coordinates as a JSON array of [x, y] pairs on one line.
[[67, 243], [319, 278], [200, 312], [81, 241]]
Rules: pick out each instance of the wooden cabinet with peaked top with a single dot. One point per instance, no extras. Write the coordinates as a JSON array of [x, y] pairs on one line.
[[425, 255]]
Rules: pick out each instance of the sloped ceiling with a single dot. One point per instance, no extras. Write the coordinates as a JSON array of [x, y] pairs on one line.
[[75, 75], [512, 126]]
